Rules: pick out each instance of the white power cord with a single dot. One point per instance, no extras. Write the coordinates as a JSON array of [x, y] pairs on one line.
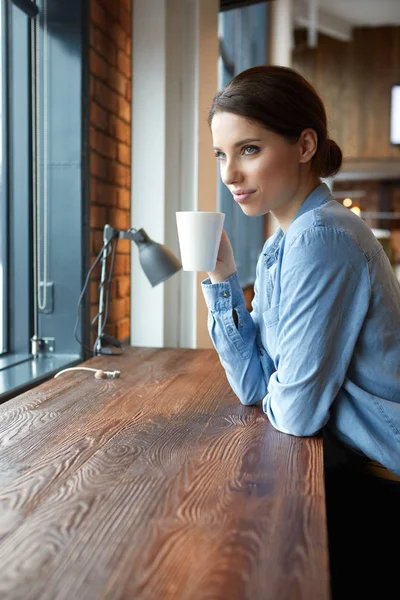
[[98, 373]]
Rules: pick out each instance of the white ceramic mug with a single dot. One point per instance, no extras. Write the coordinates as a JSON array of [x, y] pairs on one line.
[[199, 235]]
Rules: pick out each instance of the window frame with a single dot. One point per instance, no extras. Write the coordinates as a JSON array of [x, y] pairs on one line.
[[19, 369], [4, 184], [27, 6]]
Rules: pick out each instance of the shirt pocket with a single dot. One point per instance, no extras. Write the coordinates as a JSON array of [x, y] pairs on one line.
[[271, 320]]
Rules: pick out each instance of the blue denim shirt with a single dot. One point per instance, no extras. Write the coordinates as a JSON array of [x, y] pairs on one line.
[[321, 346]]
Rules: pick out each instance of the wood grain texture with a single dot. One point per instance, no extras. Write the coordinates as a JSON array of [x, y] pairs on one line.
[[157, 485]]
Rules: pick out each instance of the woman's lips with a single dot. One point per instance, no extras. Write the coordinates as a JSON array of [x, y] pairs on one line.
[[239, 198]]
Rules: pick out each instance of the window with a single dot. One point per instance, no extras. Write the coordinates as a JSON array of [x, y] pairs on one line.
[[42, 203], [243, 44], [3, 189]]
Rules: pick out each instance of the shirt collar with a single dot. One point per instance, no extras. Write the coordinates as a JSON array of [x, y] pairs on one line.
[[319, 196]]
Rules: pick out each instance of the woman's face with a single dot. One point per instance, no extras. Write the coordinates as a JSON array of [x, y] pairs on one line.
[[260, 168]]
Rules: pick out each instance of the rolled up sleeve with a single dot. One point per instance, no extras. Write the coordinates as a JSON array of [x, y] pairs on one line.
[[237, 347]]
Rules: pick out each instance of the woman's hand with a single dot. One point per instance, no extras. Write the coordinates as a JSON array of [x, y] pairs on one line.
[[225, 266]]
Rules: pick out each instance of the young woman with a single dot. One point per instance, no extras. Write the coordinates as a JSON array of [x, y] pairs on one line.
[[321, 347]]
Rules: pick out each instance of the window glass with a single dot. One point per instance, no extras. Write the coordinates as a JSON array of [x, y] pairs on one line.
[[42, 171]]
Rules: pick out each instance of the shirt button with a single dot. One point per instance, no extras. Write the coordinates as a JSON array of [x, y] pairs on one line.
[[225, 294]]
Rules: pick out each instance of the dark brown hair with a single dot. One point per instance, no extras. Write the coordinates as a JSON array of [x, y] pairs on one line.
[[282, 101]]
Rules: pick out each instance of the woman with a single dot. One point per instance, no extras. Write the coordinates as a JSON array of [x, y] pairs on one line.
[[321, 347]]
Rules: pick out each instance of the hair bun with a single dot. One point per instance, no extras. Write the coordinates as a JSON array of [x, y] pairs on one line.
[[330, 159]]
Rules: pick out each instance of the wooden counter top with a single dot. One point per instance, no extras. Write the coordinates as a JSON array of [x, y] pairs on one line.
[[158, 485]]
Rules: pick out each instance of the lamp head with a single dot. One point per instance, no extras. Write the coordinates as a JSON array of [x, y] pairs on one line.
[[156, 260]]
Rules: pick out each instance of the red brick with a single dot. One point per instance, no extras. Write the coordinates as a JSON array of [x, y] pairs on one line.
[[97, 65], [123, 329], [123, 286], [120, 130], [103, 193], [106, 97], [124, 109], [124, 154], [92, 137], [113, 289], [106, 145], [127, 6], [111, 329], [118, 36], [110, 76], [111, 6], [128, 46], [98, 216], [103, 45], [124, 246], [92, 86], [110, 141], [117, 82], [98, 15], [118, 174], [124, 199], [119, 218], [98, 116], [96, 270], [122, 264], [128, 92], [96, 241], [116, 310], [98, 165], [124, 64], [125, 19], [94, 291]]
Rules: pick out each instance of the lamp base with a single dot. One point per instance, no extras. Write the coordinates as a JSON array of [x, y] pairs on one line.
[[111, 341]]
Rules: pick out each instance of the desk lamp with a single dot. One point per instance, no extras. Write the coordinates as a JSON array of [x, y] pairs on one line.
[[156, 260]]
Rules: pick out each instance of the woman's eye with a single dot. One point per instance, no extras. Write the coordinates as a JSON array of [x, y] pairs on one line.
[[248, 150]]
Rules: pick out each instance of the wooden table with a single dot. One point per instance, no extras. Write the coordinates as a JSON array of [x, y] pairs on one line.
[[159, 485]]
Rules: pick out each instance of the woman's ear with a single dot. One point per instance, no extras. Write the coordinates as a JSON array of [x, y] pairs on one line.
[[308, 144]]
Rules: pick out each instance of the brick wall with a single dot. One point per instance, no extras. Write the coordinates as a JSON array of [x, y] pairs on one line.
[[110, 149]]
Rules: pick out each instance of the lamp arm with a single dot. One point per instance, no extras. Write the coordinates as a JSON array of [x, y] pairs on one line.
[[109, 233]]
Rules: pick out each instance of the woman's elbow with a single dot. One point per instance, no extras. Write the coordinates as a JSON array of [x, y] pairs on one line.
[[302, 430], [292, 423], [249, 399]]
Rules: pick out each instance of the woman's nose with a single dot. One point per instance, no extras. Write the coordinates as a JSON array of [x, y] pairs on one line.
[[230, 173]]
